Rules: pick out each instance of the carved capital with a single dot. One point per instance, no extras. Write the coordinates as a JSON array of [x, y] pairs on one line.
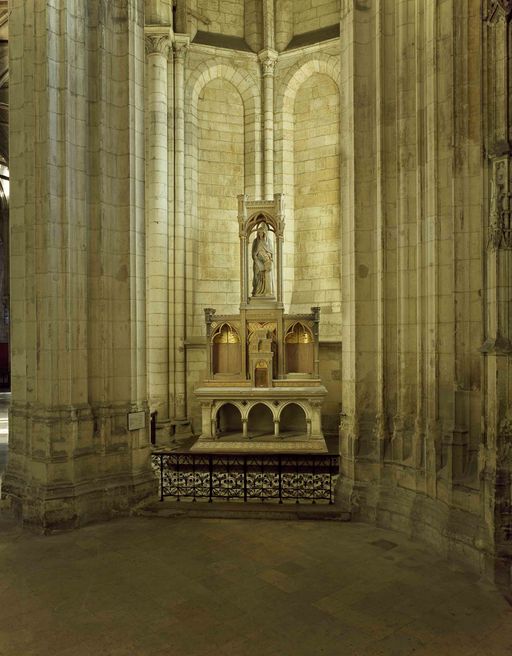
[[157, 44], [208, 314], [268, 59], [499, 9], [180, 45]]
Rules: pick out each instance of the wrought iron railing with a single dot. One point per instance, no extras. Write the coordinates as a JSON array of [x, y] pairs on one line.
[[278, 478]]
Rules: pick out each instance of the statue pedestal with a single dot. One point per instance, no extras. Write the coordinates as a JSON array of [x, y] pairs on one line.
[[182, 429]]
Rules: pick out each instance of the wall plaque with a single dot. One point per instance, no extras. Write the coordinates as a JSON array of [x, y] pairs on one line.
[[136, 420]]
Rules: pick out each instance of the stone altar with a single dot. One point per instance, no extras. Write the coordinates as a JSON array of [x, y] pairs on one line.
[[263, 390]]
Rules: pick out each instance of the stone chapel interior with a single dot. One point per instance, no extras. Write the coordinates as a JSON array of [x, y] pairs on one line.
[[261, 226]]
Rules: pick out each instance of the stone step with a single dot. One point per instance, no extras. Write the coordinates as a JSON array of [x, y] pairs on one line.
[[239, 510]]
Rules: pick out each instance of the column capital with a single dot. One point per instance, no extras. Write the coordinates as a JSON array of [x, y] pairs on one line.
[[268, 59], [181, 43], [157, 39], [499, 9]]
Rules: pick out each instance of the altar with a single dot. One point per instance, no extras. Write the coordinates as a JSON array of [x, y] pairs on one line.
[[263, 390]]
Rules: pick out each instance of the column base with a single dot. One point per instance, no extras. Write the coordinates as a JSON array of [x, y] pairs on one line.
[[164, 432], [51, 508], [182, 429]]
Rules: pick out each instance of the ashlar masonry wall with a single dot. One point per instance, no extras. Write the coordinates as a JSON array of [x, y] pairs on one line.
[[311, 15], [220, 170]]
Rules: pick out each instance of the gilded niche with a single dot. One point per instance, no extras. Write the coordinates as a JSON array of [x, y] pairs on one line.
[[226, 355], [299, 349]]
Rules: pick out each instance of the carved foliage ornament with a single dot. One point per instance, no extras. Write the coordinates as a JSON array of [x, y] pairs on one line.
[[500, 215], [499, 9], [180, 49], [157, 44], [268, 59], [268, 66]]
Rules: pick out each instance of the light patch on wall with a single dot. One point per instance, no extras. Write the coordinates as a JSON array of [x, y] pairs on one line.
[[220, 179], [317, 201]]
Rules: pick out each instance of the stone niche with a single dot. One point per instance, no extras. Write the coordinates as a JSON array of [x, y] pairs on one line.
[[263, 390]]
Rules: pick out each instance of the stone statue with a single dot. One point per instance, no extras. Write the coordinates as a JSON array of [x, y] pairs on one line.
[[263, 258]]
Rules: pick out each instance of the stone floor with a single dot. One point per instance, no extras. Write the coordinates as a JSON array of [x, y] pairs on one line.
[[209, 587]]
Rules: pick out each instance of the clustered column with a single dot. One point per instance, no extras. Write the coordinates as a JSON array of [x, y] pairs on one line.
[[77, 265], [497, 348]]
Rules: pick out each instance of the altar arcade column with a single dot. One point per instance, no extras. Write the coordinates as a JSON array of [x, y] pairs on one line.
[[157, 42], [77, 262], [180, 421]]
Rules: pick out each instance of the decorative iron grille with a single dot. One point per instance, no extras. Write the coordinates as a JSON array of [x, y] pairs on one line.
[[274, 478]]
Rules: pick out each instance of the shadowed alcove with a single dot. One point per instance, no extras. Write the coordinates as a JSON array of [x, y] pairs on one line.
[[229, 420], [293, 420], [261, 420]]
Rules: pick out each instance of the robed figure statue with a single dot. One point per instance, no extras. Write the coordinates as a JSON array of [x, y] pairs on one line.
[[262, 257]]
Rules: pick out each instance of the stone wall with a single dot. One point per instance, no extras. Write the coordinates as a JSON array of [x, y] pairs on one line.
[[316, 203], [226, 16], [313, 14], [220, 170], [412, 258]]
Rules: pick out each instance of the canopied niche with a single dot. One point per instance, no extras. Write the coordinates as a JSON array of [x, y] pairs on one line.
[[299, 349], [261, 251]]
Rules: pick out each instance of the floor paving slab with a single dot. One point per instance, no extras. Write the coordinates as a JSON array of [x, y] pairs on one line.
[[202, 587]]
